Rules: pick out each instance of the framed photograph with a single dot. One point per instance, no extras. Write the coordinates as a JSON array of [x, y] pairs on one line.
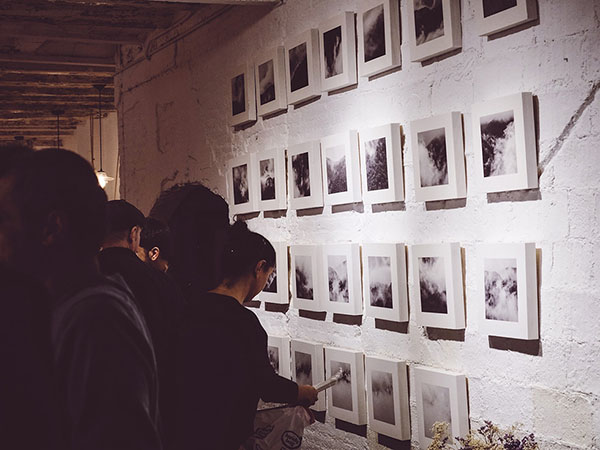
[[441, 397], [240, 185], [438, 285], [308, 367], [378, 36], [434, 28], [243, 97], [277, 288], [303, 67], [384, 281], [306, 277], [304, 176], [381, 164], [278, 349], [341, 171], [509, 290], [337, 46], [387, 395], [270, 182], [493, 16], [341, 278], [504, 143], [438, 157], [271, 94], [346, 400]]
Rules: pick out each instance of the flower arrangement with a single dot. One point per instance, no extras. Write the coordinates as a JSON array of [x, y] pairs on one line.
[[486, 437]]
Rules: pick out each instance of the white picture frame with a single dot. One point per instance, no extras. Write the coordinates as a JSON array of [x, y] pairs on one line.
[[242, 107], [270, 180], [278, 350], [277, 288], [305, 273], [382, 177], [305, 180], [441, 397], [493, 17], [387, 397], [385, 289], [507, 126], [378, 23], [341, 168], [341, 283], [337, 52], [346, 400], [438, 299], [308, 367], [303, 67], [508, 290], [438, 157], [271, 93], [241, 188], [439, 28]]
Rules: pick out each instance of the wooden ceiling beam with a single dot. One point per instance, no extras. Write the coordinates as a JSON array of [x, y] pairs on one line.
[[20, 112], [36, 90], [55, 69], [6, 99], [40, 78], [7, 134], [58, 60], [224, 2]]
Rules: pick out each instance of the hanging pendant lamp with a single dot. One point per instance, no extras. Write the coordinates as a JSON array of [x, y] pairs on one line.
[[103, 177], [57, 113]]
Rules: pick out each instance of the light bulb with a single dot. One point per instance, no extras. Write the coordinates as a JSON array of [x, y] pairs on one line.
[[103, 178]]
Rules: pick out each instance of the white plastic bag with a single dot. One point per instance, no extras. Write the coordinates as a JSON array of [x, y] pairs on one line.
[[279, 428]]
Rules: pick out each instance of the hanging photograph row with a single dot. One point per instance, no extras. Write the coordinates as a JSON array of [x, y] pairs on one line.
[[331, 278], [349, 168], [375, 390], [325, 59]]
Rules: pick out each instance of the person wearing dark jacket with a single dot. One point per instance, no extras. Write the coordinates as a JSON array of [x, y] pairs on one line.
[[223, 366], [53, 215]]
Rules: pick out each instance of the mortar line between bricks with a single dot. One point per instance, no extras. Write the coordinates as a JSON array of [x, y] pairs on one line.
[[569, 127]]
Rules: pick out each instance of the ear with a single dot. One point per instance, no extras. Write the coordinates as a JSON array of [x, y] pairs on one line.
[[261, 266], [154, 253], [53, 228]]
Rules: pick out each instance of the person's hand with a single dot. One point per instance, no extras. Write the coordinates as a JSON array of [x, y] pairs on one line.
[[307, 395]]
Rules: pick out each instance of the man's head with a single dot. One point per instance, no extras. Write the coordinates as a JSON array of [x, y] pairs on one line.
[[155, 245], [51, 209], [125, 223]]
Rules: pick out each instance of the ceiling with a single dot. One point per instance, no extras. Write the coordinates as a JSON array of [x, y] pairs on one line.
[[53, 52]]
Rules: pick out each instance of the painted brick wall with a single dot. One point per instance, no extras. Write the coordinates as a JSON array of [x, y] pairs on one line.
[[173, 128]]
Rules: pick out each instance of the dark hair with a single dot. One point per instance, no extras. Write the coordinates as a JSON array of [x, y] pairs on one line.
[[243, 249], [198, 219], [122, 217], [155, 233], [10, 154], [60, 180]]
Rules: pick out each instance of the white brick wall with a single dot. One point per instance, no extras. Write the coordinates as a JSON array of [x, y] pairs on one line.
[[173, 128]]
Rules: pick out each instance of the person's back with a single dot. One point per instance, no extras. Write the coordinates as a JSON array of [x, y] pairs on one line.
[[27, 389]]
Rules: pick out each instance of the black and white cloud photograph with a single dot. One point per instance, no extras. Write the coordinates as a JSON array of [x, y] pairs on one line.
[[432, 285], [301, 175], [271, 285], [374, 33], [273, 353], [433, 157], [436, 406], [501, 300], [303, 368], [240, 184], [332, 48], [298, 63], [267, 179], [341, 392], [238, 95], [383, 396], [380, 281], [498, 144], [304, 277], [491, 7], [336, 169], [376, 162], [266, 82], [429, 20], [337, 273]]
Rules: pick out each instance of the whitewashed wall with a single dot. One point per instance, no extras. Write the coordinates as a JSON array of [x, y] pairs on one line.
[[173, 128]]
